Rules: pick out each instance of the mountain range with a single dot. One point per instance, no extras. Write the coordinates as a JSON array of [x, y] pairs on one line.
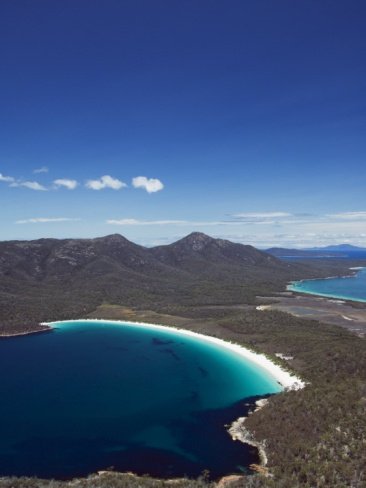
[[50, 279]]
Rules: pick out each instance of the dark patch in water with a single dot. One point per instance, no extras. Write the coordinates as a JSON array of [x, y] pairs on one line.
[[117, 348], [172, 353], [41, 456], [203, 371], [194, 397], [71, 406], [160, 342]]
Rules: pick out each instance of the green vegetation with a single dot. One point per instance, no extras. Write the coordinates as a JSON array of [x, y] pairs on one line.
[[49, 279], [314, 438], [105, 480]]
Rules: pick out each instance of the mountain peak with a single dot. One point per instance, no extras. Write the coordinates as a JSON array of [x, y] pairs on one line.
[[197, 235], [196, 241], [114, 239]]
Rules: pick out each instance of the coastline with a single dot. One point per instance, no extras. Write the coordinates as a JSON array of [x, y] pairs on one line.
[[236, 429], [291, 286], [284, 378], [239, 432], [327, 295], [26, 332]]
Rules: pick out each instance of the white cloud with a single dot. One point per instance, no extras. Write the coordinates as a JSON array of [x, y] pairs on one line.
[[147, 222], [289, 230], [192, 223], [32, 185], [43, 220], [6, 179], [105, 181], [261, 215], [348, 215], [43, 169], [151, 185], [63, 182]]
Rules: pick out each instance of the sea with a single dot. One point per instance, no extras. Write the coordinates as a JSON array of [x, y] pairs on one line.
[[344, 288], [89, 396]]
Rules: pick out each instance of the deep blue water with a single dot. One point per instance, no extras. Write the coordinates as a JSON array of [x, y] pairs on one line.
[[347, 288], [87, 396]]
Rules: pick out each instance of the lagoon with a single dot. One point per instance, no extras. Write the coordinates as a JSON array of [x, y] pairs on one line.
[[90, 395]]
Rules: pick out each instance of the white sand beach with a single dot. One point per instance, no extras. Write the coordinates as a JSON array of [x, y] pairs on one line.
[[287, 380]]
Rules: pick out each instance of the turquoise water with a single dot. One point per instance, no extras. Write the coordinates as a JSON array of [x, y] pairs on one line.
[[346, 288], [90, 395]]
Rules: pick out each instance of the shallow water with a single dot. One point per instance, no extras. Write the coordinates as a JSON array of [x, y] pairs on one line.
[[87, 396], [346, 288]]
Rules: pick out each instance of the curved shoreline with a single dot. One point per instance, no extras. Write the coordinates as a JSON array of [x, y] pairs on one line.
[[285, 379], [292, 287], [326, 295], [236, 429]]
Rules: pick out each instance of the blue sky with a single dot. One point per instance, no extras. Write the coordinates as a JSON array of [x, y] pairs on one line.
[[242, 119]]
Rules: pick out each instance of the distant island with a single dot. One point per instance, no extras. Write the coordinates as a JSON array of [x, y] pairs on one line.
[[337, 251], [338, 248]]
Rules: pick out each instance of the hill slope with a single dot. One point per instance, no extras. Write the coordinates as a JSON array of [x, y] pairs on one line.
[[51, 279]]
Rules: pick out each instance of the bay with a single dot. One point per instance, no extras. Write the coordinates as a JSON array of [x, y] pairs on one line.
[[92, 395], [345, 288]]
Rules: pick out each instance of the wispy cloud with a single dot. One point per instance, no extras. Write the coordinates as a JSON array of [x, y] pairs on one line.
[[151, 185], [14, 183], [192, 223], [6, 179], [65, 183], [281, 229], [43, 169], [45, 220], [32, 185], [260, 216], [105, 181], [361, 215], [147, 222]]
